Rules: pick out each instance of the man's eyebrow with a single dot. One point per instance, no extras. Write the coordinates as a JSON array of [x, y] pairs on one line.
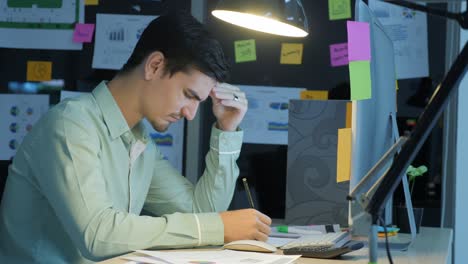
[[194, 94]]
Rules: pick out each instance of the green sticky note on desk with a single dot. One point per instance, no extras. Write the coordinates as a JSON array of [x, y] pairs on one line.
[[360, 76], [339, 9], [245, 50]]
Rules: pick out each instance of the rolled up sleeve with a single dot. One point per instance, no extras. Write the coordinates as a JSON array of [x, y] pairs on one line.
[[170, 192]]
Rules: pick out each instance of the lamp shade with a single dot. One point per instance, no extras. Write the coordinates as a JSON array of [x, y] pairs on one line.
[[279, 17]]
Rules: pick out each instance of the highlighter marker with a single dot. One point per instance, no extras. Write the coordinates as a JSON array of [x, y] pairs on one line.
[[297, 230]]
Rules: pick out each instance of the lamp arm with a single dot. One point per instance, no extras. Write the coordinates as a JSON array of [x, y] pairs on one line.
[[461, 18], [377, 168], [306, 22]]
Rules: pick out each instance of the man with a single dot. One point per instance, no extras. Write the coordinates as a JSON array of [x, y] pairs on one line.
[[84, 173]]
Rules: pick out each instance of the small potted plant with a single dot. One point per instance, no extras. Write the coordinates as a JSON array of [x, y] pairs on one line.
[[402, 216]]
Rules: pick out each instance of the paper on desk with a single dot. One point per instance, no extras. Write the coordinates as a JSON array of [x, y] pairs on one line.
[[211, 256]]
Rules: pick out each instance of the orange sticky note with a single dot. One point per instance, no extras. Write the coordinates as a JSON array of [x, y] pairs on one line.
[[91, 2], [291, 53], [39, 71], [349, 114], [314, 95], [343, 161]]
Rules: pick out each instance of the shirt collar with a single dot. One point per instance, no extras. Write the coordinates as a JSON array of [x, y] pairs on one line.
[[113, 117], [141, 132]]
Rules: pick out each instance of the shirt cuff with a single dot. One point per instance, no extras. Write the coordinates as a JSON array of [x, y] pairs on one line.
[[211, 229], [226, 142]]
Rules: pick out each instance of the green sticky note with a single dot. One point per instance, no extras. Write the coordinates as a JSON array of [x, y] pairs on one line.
[[360, 76], [339, 9], [245, 50]]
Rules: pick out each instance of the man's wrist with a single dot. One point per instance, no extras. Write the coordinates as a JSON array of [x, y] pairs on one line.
[[218, 126]]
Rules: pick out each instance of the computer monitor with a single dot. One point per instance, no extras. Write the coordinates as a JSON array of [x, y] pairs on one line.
[[426, 122], [374, 128]]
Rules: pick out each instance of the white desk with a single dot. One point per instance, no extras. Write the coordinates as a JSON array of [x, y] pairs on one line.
[[432, 245]]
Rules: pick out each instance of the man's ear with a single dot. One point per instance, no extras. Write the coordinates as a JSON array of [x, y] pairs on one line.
[[154, 64]]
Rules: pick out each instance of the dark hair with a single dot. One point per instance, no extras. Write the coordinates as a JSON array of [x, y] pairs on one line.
[[185, 44]]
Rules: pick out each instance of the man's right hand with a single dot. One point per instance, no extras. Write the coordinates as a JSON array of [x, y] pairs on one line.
[[245, 224]]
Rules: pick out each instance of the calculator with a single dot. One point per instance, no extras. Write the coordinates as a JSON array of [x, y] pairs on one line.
[[324, 251]]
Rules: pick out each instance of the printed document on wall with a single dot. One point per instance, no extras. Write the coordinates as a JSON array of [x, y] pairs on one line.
[[18, 114], [408, 30], [266, 121], [40, 24], [116, 36], [170, 142]]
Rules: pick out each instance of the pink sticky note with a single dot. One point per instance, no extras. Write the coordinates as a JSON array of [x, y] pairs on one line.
[[339, 54], [358, 41], [83, 33]]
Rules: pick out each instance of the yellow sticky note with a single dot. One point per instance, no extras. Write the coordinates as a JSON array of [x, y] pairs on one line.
[[245, 50], [39, 71], [291, 53], [349, 114], [339, 9], [314, 95], [343, 161], [360, 76], [91, 2]]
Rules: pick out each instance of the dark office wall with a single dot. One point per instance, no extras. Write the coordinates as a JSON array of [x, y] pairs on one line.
[[74, 67]]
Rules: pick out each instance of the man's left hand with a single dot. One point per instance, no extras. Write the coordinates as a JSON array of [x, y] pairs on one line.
[[229, 106]]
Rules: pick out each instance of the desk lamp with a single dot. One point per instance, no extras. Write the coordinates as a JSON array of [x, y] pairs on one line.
[[281, 17], [426, 123]]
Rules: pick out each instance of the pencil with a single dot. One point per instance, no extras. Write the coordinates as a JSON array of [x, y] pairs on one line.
[[247, 190]]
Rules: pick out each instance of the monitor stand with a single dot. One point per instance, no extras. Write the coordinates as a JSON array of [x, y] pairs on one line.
[[360, 220]]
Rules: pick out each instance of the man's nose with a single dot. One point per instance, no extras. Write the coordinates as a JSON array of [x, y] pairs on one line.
[[190, 110]]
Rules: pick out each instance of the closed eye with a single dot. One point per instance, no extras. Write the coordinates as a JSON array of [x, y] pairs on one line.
[[192, 95]]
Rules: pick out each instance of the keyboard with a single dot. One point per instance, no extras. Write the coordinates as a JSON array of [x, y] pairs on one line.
[[320, 242], [324, 253]]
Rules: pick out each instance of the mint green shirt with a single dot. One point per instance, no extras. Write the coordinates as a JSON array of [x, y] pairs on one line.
[[81, 178]]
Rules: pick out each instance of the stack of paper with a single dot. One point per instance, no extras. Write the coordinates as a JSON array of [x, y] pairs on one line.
[[209, 256]]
